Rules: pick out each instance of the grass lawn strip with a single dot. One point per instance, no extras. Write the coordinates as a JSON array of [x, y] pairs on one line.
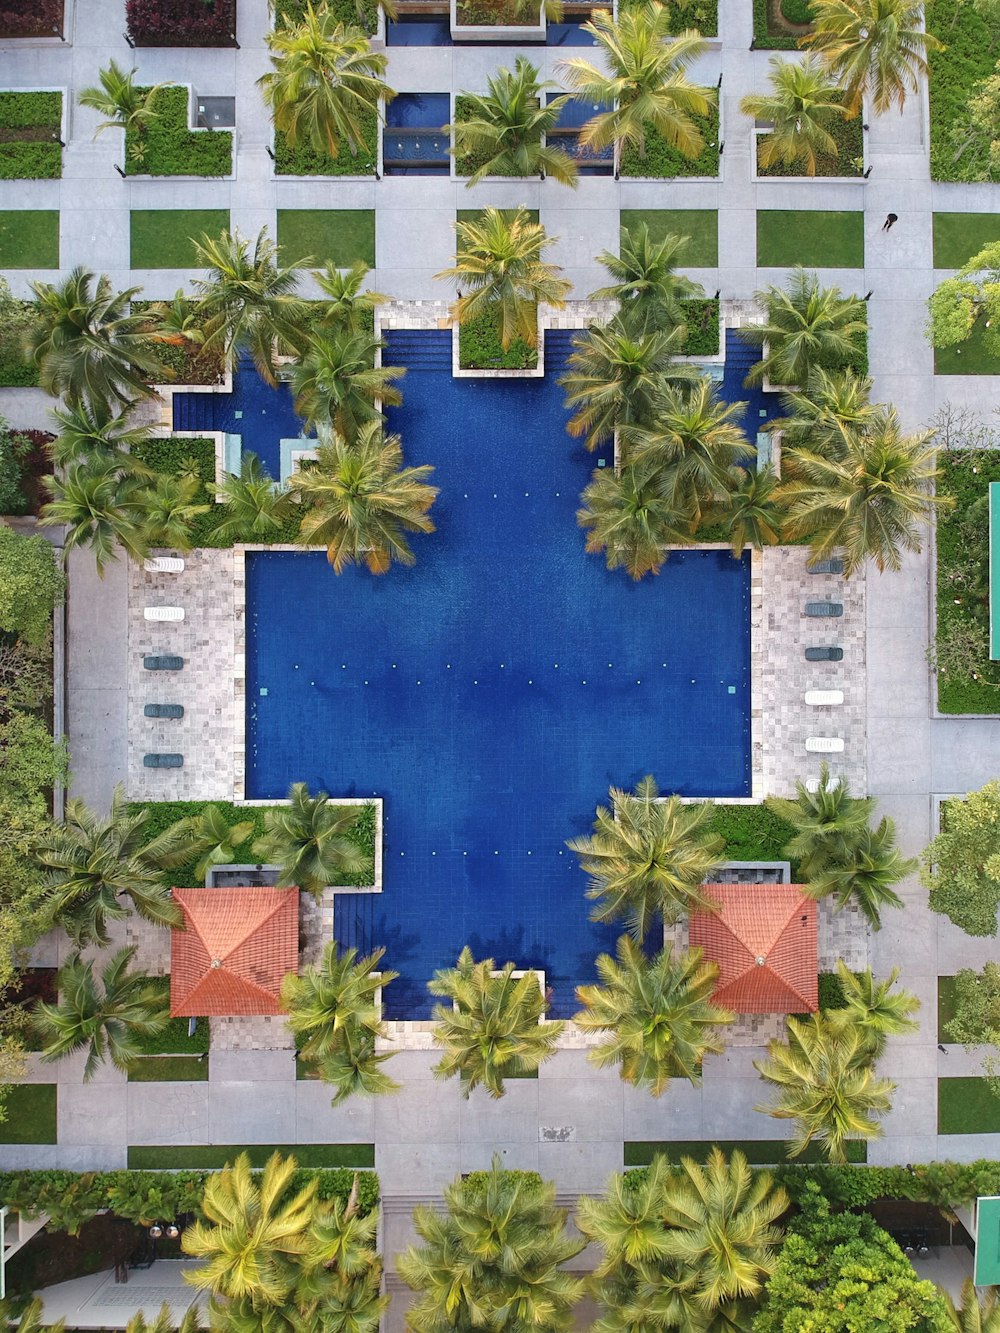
[[29, 238], [815, 238], [700, 225], [758, 1152], [169, 1069], [967, 1106], [30, 1110], [211, 1157], [162, 237], [958, 236], [339, 236]]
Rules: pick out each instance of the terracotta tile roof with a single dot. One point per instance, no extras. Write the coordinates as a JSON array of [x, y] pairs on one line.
[[236, 946], [764, 939]]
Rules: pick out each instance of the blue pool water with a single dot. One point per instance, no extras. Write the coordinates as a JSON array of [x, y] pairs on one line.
[[494, 692]]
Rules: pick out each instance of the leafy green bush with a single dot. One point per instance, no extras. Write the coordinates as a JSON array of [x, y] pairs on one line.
[[356, 13], [305, 161], [848, 135], [766, 38], [16, 319], [702, 317], [967, 60], [25, 110], [167, 147], [174, 1039], [480, 348], [797, 11], [663, 162], [28, 122], [467, 163], [14, 447]]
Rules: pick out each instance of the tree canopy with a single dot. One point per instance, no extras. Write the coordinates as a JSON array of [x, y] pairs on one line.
[[961, 867]]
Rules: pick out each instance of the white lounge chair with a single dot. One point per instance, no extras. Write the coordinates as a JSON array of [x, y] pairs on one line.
[[825, 744], [163, 564], [824, 698], [812, 785], [164, 613]]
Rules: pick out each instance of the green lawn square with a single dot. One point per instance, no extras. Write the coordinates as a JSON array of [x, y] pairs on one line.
[[815, 239], [700, 225], [30, 1114], [958, 236], [967, 358], [162, 237], [29, 238], [339, 236], [967, 1106]]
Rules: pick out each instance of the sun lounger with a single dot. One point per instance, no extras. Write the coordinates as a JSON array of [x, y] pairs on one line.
[[824, 698], [812, 785], [163, 761], [825, 744], [826, 654], [833, 566], [164, 564], [164, 613], [824, 609], [162, 662], [163, 710]]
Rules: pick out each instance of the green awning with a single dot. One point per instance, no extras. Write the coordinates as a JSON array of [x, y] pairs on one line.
[[987, 1272]]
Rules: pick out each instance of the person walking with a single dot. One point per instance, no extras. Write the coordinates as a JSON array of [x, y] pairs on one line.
[[889, 220]]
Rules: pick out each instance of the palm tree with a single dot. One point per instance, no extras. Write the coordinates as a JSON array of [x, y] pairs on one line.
[[754, 511], [825, 1084], [108, 1018], [647, 85], [613, 377], [492, 1028], [504, 129], [867, 505], [648, 856], [805, 325], [649, 290], [822, 417], [363, 502], [873, 46], [256, 510], [99, 508], [165, 1322], [335, 1019], [124, 105], [493, 1259], [93, 863], [979, 1312], [326, 84], [177, 323], [630, 521], [86, 345], [249, 300], [336, 382], [347, 306], [499, 260], [658, 1013], [801, 105], [168, 510], [310, 840], [828, 822], [30, 1320], [866, 875], [95, 433], [207, 836], [873, 1008]]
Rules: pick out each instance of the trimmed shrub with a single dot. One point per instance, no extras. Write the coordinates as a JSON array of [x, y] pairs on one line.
[[181, 22], [797, 11], [357, 13], [169, 148], [31, 18], [967, 60]]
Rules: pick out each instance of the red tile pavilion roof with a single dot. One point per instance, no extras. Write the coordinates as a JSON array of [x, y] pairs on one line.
[[236, 946], [763, 937]]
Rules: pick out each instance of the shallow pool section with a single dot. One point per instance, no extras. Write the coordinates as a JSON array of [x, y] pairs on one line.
[[492, 693]]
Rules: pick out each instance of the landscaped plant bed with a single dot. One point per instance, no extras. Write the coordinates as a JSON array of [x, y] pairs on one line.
[[704, 330], [662, 162], [492, 20], [758, 1152], [481, 352], [773, 28], [303, 160], [752, 833], [30, 131], [700, 14], [170, 147], [849, 163], [191, 364], [31, 18], [181, 22], [17, 371], [355, 13], [969, 57]]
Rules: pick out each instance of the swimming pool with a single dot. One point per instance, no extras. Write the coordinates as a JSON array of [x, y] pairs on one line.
[[494, 692]]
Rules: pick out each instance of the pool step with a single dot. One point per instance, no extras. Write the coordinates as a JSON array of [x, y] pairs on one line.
[[418, 349], [193, 411]]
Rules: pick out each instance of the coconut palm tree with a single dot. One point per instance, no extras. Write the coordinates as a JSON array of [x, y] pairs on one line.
[[643, 78], [100, 509], [649, 291], [334, 1016], [828, 822], [169, 511], [336, 382], [874, 1008], [363, 502], [249, 300], [86, 345], [801, 105], [178, 322], [124, 105], [206, 838], [92, 863], [978, 1313], [825, 1084], [499, 261], [256, 510], [648, 856], [30, 1320], [347, 306], [805, 325], [504, 129], [165, 1322], [657, 1012], [310, 841], [326, 84], [878, 47], [107, 1018], [754, 512], [629, 520], [866, 875], [823, 416], [493, 1259], [95, 433], [867, 505], [613, 377], [492, 1027]]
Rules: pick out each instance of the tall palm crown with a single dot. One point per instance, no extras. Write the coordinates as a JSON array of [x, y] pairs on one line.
[[333, 1015], [92, 863], [206, 838], [491, 1029], [86, 345], [100, 508], [492, 1259], [326, 84], [872, 46], [249, 299], [124, 105], [363, 502], [164, 1322], [506, 128], [657, 1013], [107, 1019], [649, 290], [648, 857], [499, 258], [828, 822], [873, 1008], [97, 433], [801, 105], [255, 509], [822, 417], [336, 383], [169, 509], [644, 80], [754, 511], [310, 840], [629, 520], [867, 875], [978, 1313], [826, 1085], [870, 504], [347, 305], [805, 325]]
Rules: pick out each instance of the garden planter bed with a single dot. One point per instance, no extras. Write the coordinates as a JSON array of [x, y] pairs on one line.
[[849, 164], [302, 160], [170, 147], [30, 131], [662, 162], [16, 371], [700, 14], [480, 351], [181, 22], [771, 31], [356, 13], [31, 18], [969, 58]]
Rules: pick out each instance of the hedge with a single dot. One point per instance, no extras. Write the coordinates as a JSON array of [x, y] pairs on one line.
[[169, 148], [663, 162], [968, 58], [480, 348], [36, 155], [302, 160]]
